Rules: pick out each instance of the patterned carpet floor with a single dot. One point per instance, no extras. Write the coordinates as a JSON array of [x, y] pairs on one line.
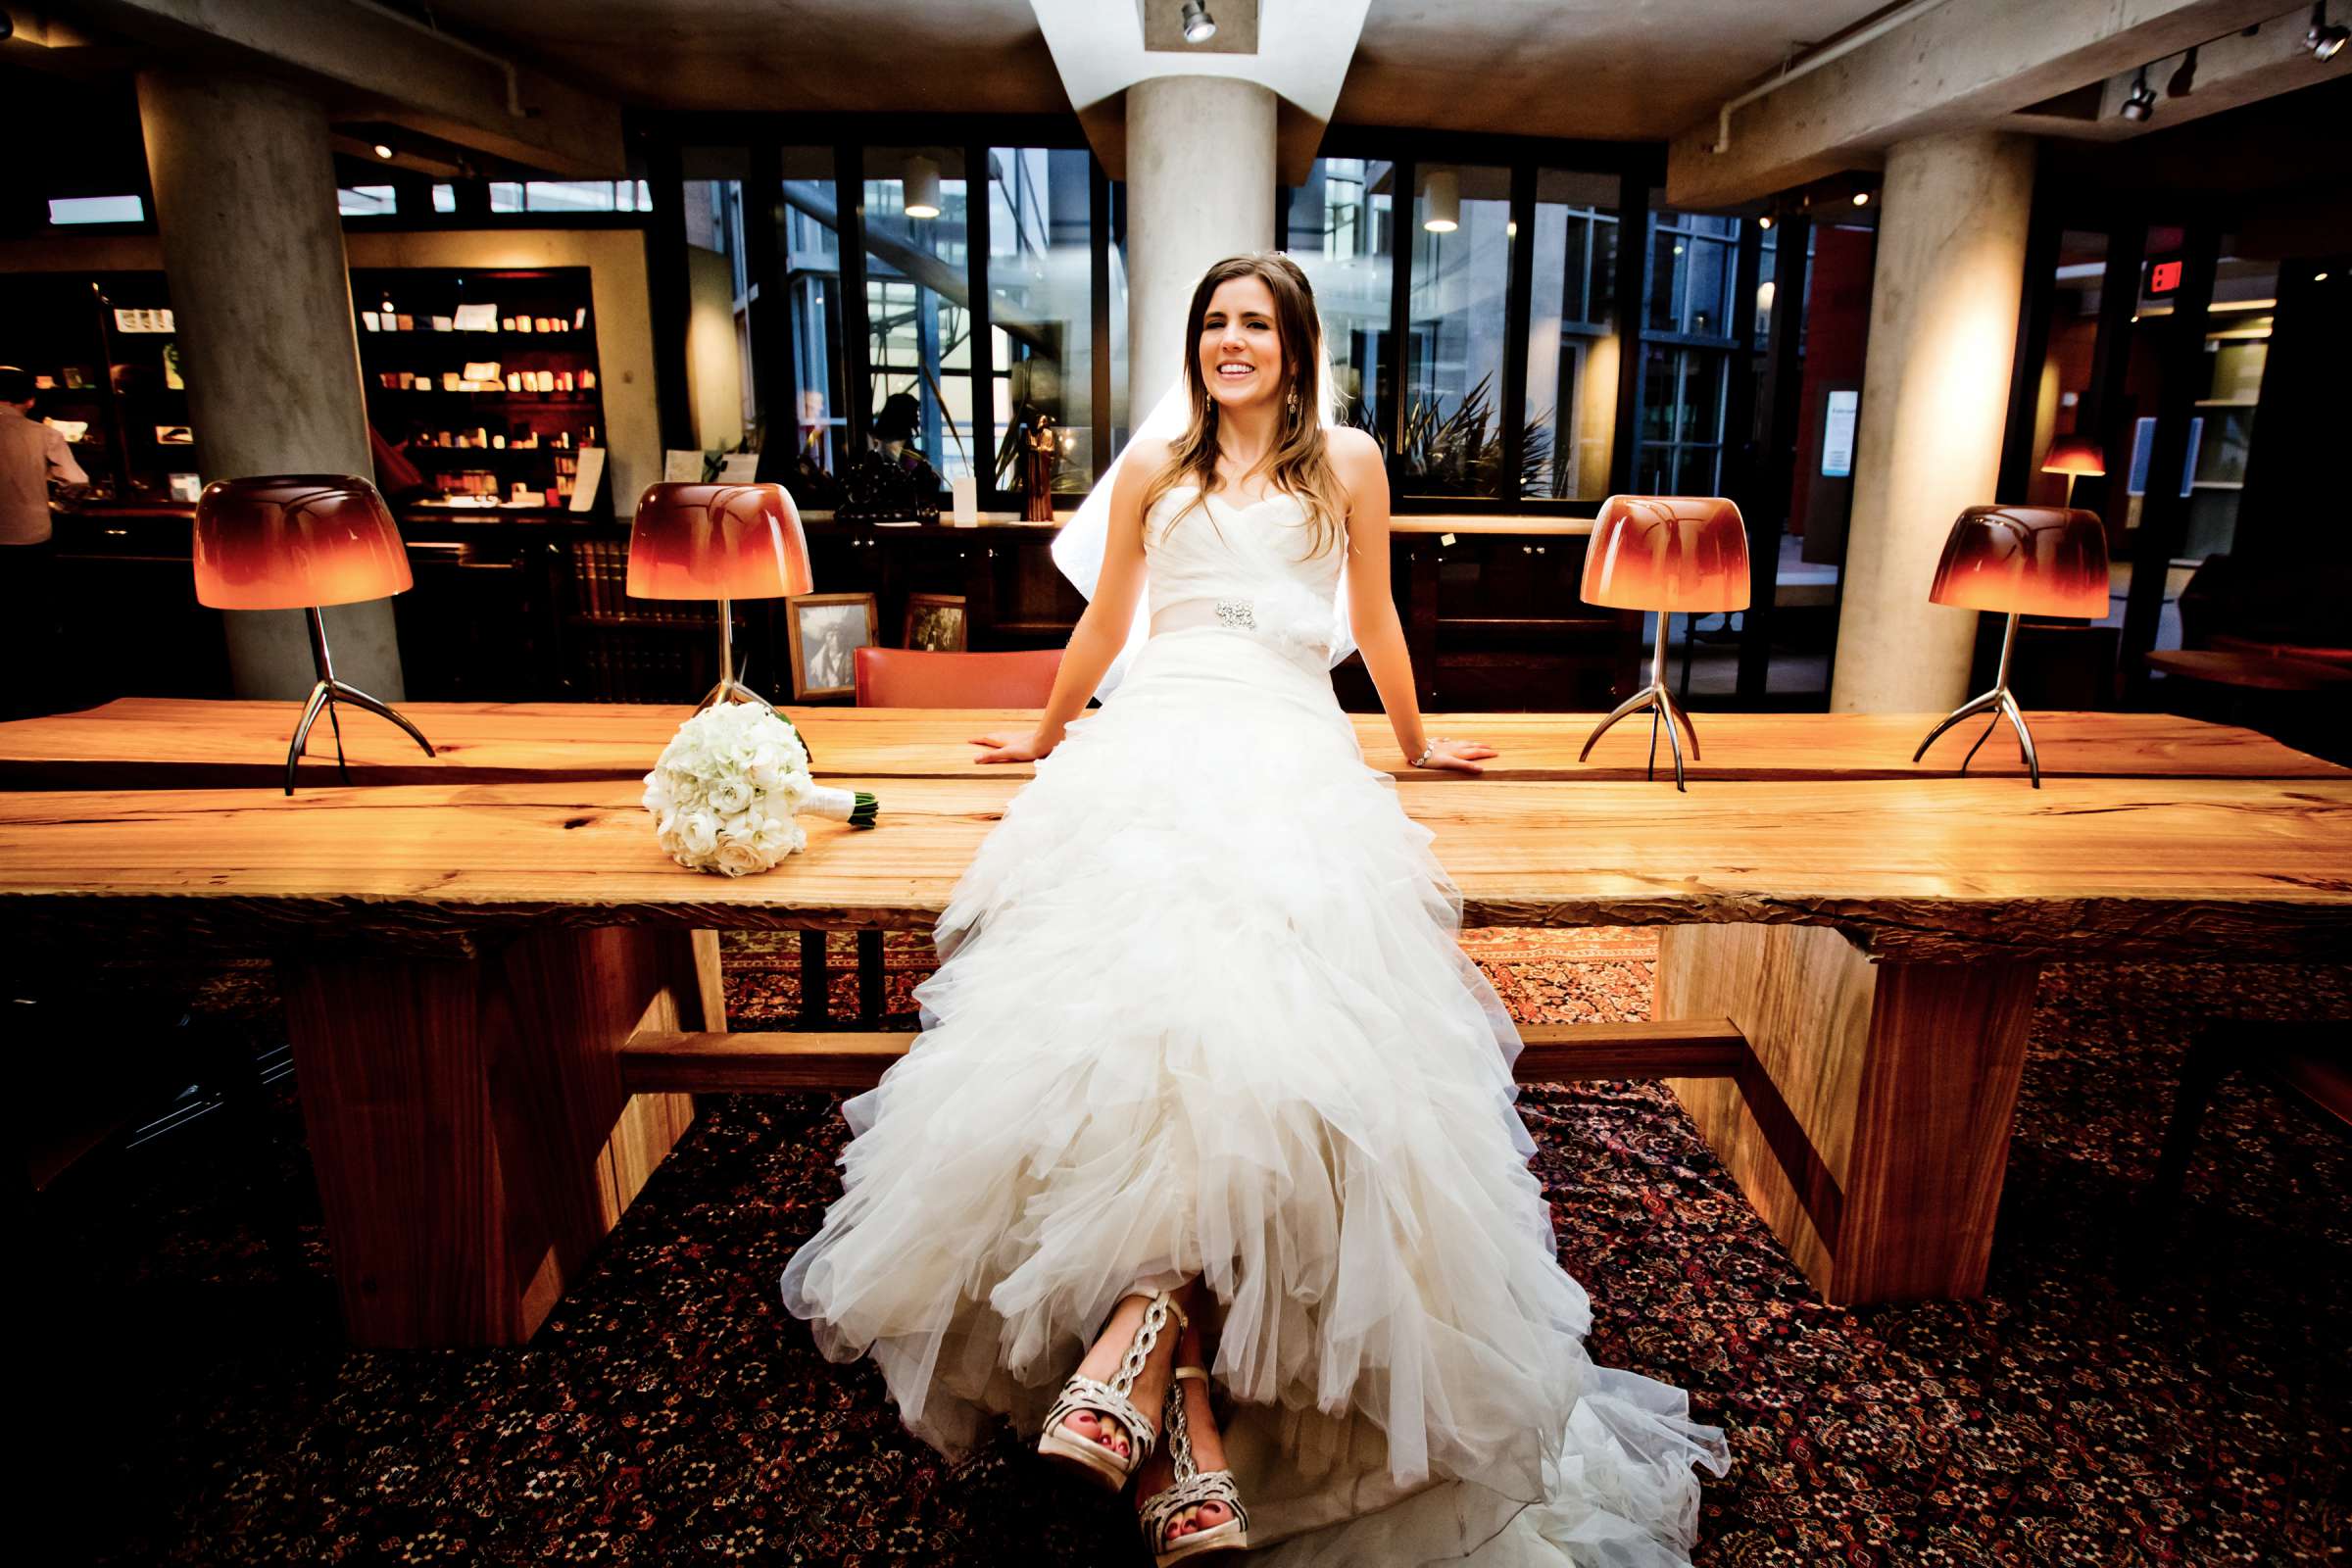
[[2121, 1394]]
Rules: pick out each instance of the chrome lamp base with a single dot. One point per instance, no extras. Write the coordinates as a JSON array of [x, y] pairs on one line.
[[730, 687], [1658, 698], [330, 691], [2001, 704]]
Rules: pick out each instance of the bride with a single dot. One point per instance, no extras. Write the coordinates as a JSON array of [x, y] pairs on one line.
[[1205, 1169]]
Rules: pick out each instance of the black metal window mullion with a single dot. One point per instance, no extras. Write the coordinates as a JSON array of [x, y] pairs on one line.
[[1098, 239], [1518, 307], [979, 199], [1633, 314], [767, 260], [1403, 193], [849, 184]]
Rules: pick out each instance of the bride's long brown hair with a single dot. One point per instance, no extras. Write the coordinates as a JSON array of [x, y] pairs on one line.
[[1299, 463]]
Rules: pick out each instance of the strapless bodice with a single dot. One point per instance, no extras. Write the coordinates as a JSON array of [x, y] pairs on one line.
[[1243, 567]]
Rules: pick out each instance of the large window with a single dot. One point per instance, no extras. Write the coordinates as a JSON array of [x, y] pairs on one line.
[[1487, 318], [1573, 344], [813, 389], [918, 304], [1341, 235], [1452, 441], [1686, 365], [1040, 254]]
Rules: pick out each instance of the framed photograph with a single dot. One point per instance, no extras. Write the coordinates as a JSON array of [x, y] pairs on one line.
[[935, 623], [826, 630]]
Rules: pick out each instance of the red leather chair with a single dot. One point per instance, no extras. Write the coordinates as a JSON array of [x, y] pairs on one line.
[[901, 677]]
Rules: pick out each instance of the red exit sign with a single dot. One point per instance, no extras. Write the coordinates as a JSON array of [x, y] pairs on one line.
[[2164, 278]]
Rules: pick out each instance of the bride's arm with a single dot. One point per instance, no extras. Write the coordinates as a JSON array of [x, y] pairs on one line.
[[1102, 632], [1372, 607]]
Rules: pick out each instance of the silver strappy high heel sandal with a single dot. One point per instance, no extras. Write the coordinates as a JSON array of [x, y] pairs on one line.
[[1090, 1458], [1192, 1488]]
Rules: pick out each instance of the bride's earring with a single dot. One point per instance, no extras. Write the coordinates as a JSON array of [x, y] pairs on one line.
[[1292, 400]]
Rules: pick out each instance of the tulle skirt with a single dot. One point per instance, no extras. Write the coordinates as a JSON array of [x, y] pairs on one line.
[[1200, 1009]]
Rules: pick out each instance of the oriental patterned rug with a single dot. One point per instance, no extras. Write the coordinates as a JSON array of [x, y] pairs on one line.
[[2121, 1395]]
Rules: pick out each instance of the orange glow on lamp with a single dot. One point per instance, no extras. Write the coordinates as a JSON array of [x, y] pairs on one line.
[[1665, 553], [723, 542], [2075, 455], [301, 541], [2023, 561]]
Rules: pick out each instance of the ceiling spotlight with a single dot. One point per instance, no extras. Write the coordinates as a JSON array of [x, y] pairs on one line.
[[1765, 222], [1861, 198], [1444, 194], [383, 151], [2325, 40], [921, 181], [1199, 25], [2141, 103]]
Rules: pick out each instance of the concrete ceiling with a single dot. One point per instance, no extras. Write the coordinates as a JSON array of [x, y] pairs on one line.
[[833, 56], [1611, 69]]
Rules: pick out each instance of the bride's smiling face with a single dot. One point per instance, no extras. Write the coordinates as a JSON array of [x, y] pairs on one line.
[[1241, 348]]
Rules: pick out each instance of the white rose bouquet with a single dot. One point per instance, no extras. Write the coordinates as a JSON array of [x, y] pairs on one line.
[[729, 785]]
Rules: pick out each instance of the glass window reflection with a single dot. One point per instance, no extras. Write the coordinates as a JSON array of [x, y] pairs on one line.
[[1461, 262], [1040, 264], [1343, 237]]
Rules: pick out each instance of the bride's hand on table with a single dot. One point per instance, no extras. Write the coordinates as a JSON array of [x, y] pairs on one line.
[[1010, 748], [1461, 756]]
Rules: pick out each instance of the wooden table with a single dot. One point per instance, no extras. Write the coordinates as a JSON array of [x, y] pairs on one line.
[[478, 972], [145, 743]]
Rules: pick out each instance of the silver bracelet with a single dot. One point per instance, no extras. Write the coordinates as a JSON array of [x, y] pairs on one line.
[[1428, 751]]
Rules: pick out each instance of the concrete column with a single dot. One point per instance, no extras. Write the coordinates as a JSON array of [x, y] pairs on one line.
[[253, 249], [1934, 395], [1199, 189]]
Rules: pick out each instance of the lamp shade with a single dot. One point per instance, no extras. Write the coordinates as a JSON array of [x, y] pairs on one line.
[[2072, 454], [2033, 561], [1686, 553], [288, 541], [717, 541]]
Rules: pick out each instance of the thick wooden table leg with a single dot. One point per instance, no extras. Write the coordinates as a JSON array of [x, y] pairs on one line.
[[1872, 1130], [710, 980], [467, 1119]]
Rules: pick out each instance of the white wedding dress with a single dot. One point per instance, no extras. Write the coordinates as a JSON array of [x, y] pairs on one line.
[[1200, 1009]]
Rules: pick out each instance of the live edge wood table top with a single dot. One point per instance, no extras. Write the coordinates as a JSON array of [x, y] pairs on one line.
[[1926, 868], [469, 945], [148, 743]]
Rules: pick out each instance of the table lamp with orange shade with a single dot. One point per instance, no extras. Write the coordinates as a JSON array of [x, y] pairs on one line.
[[2075, 457], [301, 541], [1665, 553], [723, 542], [2023, 561]]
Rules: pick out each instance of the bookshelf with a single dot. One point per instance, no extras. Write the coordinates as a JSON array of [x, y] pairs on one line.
[[486, 379]]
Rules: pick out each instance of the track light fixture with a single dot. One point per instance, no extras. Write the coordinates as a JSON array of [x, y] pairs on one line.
[[2141, 104], [2324, 38], [1199, 25]]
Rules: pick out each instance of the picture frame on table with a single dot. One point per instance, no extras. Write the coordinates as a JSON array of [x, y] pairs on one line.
[[936, 623], [825, 633]]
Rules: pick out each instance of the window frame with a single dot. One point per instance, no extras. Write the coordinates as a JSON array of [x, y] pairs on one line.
[[1637, 167]]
